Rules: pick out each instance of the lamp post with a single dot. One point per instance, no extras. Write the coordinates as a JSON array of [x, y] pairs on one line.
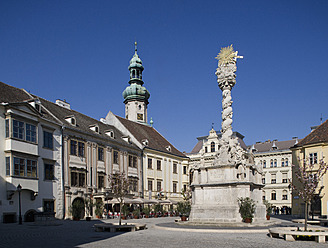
[[107, 195], [19, 189]]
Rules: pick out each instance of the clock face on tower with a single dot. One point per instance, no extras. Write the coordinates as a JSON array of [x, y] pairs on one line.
[[140, 117]]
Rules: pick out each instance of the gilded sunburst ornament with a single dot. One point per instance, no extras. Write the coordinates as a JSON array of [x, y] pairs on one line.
[[227, 55]]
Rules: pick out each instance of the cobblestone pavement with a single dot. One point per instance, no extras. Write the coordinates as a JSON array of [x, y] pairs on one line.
[[161, 232]]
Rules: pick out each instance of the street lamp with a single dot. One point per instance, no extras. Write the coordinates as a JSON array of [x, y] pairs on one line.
[[19, 189], [107, 196]]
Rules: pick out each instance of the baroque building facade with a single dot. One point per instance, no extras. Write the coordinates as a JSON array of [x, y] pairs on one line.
[[59, 156], [30, 165], [313, 149], [164, 168], [275, 157]]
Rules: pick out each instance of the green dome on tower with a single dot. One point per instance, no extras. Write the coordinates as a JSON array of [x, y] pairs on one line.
[[136, 91]]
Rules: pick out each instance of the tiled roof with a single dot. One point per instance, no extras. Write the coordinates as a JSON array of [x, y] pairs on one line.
[[274, 145], [320, 134], [83, 123], [155, 140], [10, 94]]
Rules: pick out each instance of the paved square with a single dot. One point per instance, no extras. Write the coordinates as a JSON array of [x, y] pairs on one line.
[[82, 234]]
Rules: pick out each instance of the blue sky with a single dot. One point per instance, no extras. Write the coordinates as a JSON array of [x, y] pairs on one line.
[[80, 51]]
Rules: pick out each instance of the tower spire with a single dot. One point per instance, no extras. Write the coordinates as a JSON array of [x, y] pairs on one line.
[[136, 96]]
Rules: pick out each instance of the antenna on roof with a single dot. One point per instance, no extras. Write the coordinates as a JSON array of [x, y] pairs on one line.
[[321, 119]]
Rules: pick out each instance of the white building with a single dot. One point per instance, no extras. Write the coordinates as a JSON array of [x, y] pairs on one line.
[[30, 148], [275, 157], [164, 168]]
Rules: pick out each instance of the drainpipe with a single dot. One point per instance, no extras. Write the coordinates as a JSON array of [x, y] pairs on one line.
[[142, 176], [63, 171]]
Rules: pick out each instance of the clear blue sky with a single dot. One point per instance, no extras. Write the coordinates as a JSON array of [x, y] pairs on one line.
[[80, 51]]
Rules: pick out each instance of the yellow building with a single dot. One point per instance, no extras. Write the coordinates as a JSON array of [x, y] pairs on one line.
[[313, 148]]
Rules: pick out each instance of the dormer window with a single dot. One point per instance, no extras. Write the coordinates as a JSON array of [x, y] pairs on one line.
[[168, 148], [94, 128], [127, 139], [110, 133], [145, 142], [71, 120], [36, 104]]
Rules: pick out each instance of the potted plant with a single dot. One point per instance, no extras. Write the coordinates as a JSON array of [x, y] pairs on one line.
[[136, 213], [125, 211], [77, 209], [268, 207], [146, 211], [157, 210], [99, 208], [184, 208], [246, 209]]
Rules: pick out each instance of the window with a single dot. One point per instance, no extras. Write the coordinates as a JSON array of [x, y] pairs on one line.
[[284, 178], [212, 147], [150, 163], [77, 178], [150, 184], [284, 195], [313, 158], [30, 133], [18, 129], [133, 185], [159, 165], [205, 149], [185, 170], [282, 162], [100, 154], [49, 172], [30, 168], [286, 162], [159, 186], [81, 149], [139, 117], [48, 206], [101, 181], [185, 187], [271, 163], [275, 163], [25, 167], [7, 166], [263, 180], [273, 178], [175, 169], [73, 147], [115, 155], [7, 127], [263, 198], [47, 140], [174, 187], [264, 163], [273, 195], [132, 161]]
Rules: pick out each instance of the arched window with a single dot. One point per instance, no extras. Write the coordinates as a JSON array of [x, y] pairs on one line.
[[271, 163], [282, 162], [212, 147], [264, 163], [286, 162], [205, 149], [275, 163]]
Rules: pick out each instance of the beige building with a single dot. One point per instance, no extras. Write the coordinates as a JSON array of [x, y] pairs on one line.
[[275, 157], [92, 151], [313, 148]]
